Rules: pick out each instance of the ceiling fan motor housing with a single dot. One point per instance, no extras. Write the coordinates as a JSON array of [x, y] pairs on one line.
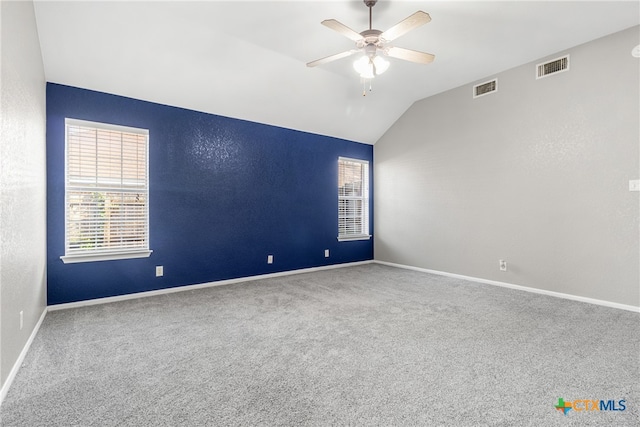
[[370, 50], [370, 37]]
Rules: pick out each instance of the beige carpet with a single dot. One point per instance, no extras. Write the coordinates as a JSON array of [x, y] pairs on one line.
[[365, 345]]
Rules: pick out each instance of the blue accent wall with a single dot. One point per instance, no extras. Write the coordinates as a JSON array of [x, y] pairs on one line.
[[223, 194]]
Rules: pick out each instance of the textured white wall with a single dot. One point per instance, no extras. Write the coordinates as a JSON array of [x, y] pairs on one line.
[[536, 174], [22, 181]]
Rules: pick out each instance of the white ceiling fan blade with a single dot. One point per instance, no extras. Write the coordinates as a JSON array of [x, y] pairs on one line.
[[342, 29], [410, 55], [331, 58], [406, 25]]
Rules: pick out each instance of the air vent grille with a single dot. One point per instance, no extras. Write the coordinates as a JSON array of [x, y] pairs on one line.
[[485, 88], [556, 66]]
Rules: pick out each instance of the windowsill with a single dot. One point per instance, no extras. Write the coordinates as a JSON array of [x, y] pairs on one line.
[[355, 237], [70, 259]]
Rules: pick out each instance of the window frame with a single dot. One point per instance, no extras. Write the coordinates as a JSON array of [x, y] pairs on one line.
[[365, 198], [109, 254]]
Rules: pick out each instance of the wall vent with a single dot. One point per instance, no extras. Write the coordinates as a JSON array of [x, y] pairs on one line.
[[485, 88], [552, 67]]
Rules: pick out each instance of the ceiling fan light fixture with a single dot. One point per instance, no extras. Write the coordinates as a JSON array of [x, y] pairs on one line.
[[381, 64], [364, 67], [369, 68]]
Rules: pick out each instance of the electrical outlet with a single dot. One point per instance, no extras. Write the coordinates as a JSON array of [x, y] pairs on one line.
[[634, 185], [326, 253], [159, 271], [269, 259], [21, 319], [503, 265]]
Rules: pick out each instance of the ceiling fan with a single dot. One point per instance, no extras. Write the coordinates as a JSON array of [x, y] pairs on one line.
[[374, 43]]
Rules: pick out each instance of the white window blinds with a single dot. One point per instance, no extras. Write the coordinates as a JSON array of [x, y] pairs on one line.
[[106, 192], [353, 199]]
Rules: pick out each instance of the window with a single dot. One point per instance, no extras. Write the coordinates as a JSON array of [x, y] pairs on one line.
[[106, 192], [353, 199]]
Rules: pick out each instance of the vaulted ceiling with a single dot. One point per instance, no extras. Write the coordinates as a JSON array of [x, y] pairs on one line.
[[247, 59]]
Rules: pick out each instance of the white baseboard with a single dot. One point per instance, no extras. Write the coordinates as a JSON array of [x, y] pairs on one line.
[[16, 366], [518, 287], [107, 300]]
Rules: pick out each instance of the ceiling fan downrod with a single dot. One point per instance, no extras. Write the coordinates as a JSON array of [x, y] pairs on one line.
[[370, 4]]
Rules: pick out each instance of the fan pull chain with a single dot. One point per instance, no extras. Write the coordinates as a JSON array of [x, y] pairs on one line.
[[364, 86]]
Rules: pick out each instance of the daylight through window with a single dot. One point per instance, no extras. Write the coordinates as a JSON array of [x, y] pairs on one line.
[[106, 192], [353, 199]]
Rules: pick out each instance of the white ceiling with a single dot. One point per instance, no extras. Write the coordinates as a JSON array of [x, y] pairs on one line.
[[247, 59]]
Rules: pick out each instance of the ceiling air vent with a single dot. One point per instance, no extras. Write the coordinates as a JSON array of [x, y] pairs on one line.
[[485, 88], [552, 67]]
